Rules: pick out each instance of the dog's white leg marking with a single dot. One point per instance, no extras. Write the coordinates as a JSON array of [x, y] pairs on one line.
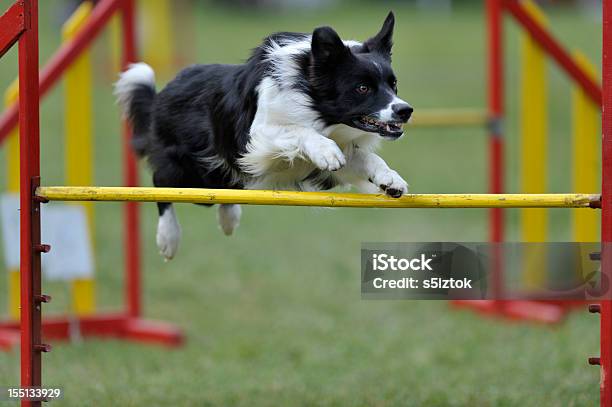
[[366, 165], [323, 152], [168, 233], [285, 128], [384, 177], [273, 142], [228, 216], [365, 187]]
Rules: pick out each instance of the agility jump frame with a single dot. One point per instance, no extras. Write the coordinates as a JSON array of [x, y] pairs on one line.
[[20, 23], [535, 29], [127, 323]]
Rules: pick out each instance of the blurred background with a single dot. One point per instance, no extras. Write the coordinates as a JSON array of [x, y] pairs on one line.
[[273, 315]]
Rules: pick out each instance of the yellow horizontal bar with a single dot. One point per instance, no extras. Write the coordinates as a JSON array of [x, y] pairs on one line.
[[449, 117], [329, 199]]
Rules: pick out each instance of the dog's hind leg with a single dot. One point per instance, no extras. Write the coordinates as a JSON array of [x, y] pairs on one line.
[[168, 234], [228, 216], [168, 231]]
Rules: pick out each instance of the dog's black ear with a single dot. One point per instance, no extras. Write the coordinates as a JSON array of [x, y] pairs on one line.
[[383, 41], [327, 45]]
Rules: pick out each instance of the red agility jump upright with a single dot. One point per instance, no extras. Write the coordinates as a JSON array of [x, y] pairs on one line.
[[540, 311], [127, 323], [20, 24], [605, 359]]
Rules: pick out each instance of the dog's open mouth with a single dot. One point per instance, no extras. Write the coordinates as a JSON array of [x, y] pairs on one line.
[[385, 129]]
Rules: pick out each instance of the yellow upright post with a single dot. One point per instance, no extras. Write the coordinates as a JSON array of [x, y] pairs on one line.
[[159, 37], [586, 138], [533, 150], [78, 141], [12, 174], [115, 42]]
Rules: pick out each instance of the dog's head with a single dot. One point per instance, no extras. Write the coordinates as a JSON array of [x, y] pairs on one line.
[[355, 85]]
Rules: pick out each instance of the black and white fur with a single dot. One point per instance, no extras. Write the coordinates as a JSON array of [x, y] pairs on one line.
[[305, 112]]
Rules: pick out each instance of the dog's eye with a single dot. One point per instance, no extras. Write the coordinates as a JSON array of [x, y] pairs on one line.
[[362, 89]]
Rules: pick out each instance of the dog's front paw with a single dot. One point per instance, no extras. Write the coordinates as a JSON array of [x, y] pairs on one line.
[[391, 183], [326, 155]]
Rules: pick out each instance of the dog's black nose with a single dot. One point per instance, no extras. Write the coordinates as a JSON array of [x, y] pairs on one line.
[[403, 111]]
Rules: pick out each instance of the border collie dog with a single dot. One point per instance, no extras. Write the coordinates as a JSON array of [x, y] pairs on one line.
[[305, 112]]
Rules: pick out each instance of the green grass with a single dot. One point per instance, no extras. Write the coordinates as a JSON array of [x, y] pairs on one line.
[[273, 315]]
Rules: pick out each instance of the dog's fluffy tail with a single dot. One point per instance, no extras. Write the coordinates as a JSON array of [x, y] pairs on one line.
[[135, 92]]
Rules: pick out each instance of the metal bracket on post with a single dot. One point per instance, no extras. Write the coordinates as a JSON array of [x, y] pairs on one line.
[[594, 361], [43, 298], [596, 204], [43, 347], [40, 199], [495, 126], [37, 297], [42, 248]]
